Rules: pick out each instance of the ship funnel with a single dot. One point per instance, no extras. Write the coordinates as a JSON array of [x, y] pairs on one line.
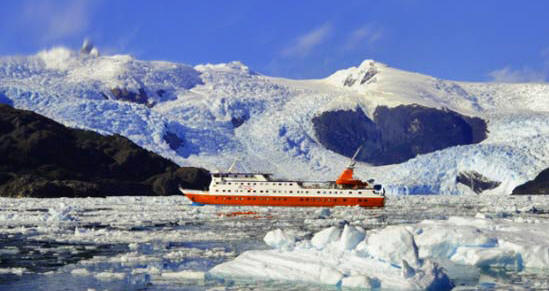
[[346, 178]]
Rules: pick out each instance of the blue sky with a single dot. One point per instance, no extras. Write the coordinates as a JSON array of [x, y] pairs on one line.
[[458, 40]]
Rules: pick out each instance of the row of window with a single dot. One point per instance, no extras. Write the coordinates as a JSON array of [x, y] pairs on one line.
[[255, 183], [306, 199], [253, 191], [280, 191], [251, 198], [329, 199], [234, 175]]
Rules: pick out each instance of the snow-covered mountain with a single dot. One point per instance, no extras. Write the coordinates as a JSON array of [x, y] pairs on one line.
[[208, 115]]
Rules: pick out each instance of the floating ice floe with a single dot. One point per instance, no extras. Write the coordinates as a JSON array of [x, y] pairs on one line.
[[397, 256], [343, 258], [485, 242], [183, 275], [15, 271]]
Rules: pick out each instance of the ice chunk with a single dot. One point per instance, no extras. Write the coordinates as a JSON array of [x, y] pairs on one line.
[[323, 261], [325, 236], [357, 281], [392, 244], [192, 275], [80, 272], [15, 271], [487, 257], [323, 213], [279, 239], [330, 276], [60, 213], [350, 237], [110, 276], [485, 242]]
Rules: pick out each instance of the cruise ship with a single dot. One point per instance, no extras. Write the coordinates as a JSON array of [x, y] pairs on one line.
[[260, 189]]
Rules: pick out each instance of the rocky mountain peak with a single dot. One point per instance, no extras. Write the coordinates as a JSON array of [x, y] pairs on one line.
[[88, 48]]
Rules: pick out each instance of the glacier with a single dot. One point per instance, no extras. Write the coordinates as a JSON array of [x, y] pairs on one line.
[[220, 112]]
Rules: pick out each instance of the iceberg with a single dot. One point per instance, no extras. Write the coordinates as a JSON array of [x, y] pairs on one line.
[[410, 256], [341, 258]]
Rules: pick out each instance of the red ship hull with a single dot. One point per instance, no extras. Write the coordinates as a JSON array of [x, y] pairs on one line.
[[295, 201]]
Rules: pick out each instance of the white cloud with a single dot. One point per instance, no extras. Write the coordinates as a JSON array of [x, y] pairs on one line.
[[365, 35], [304, 44], [54, 20], [509, 75], [526, 74]]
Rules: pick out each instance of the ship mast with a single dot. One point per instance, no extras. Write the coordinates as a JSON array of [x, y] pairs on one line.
[[353, 159], [346, 178], [230, 169]]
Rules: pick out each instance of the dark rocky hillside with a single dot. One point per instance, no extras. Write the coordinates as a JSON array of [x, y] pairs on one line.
[[396, 134], [476, 181], [540, 185], [42, 158]]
